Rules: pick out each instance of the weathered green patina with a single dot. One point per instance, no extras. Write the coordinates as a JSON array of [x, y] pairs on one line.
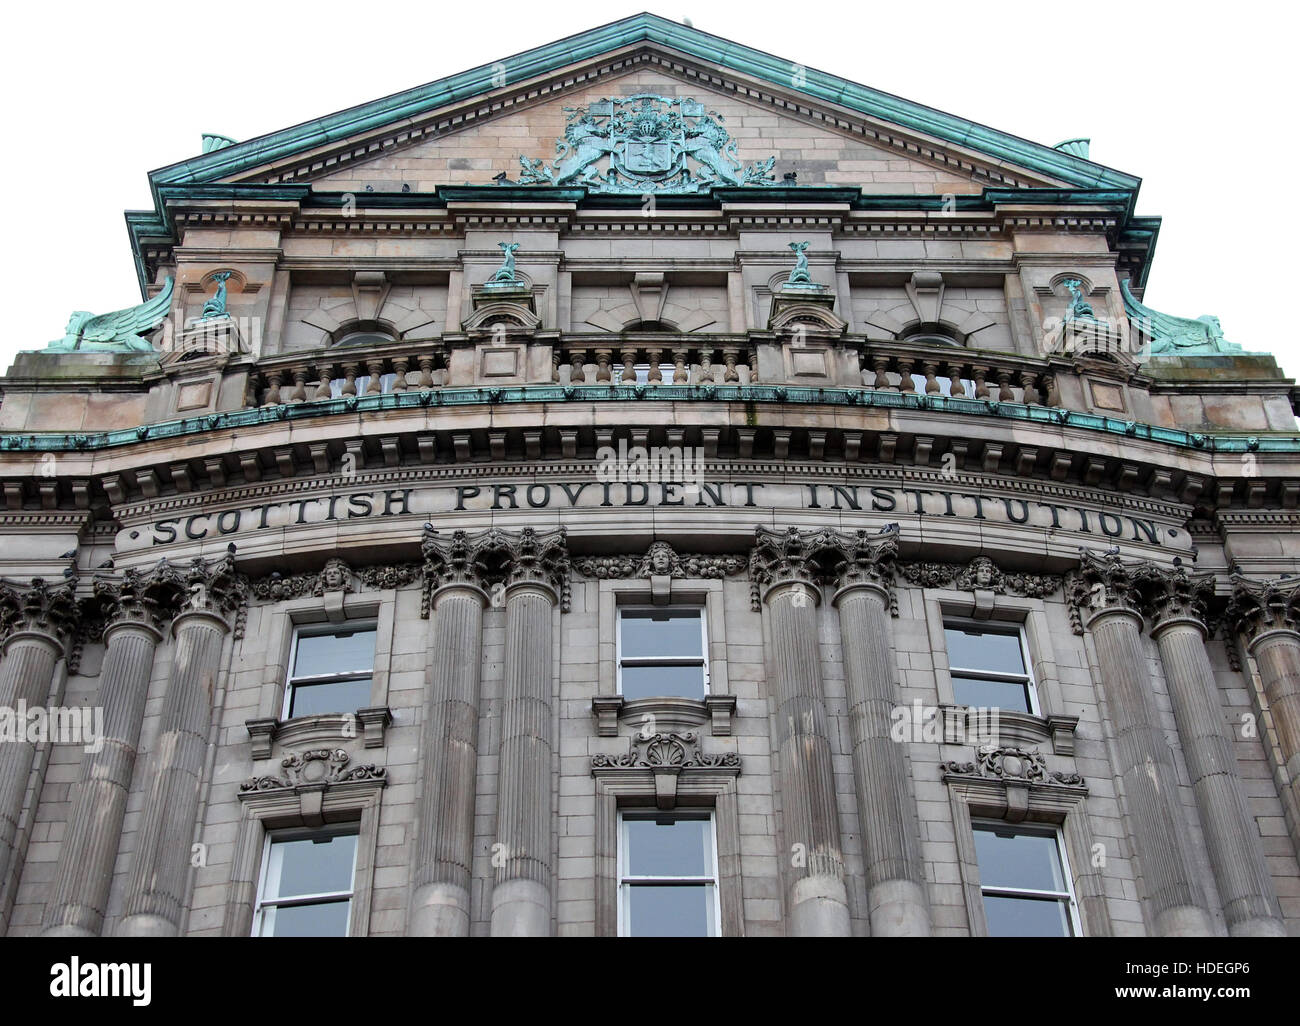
[[119, 331], [749, 396], [799, 275], [1080, 309], [216, 306], [651, 144], [241, 158], [505, 274], [1181, 335]]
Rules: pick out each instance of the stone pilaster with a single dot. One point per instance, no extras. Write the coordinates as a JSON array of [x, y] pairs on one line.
[[1176, 604], [160, 870], [891, 844], [445, 843], [36, 621], [1105, 598], [785, 572], [135, 611], [534, 568], [1266, 615]]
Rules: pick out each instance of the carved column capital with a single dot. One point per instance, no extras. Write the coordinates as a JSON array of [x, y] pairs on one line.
[[449, 560], [528, 557], [865, 561], [38, 606], [1103, 583], [217, 589], [813, 558], [782, 557], [1171, 594], [149, 598], [1257, 607]]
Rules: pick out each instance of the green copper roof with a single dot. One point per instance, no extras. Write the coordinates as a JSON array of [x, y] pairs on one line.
[[207, 169], [764, 394], [232, 160]]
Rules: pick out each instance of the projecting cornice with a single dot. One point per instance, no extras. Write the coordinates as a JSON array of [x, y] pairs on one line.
[[283, 161]]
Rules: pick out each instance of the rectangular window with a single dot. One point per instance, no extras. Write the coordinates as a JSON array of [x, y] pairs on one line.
[[306, 885], [661, 653], [330, 671], [1025, 882], [990, 667], [668, 875]]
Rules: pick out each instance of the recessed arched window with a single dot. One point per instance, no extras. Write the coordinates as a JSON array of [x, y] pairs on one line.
[[931, 334], [361, 336], [935, 335], [365, 338]]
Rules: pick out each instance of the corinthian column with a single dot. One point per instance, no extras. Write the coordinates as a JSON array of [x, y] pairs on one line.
[[786, 577], [135, 611], [444, 846], [1176, 603], [35, 623], [535, 570], [891, 845], [1266, 615], [1104, 596], [160, 871]]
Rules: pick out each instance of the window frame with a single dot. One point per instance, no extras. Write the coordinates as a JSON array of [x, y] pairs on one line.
[[1063, 861], [1002, 627], [314, 630], [272, 837], [700, 609], [626, 882]]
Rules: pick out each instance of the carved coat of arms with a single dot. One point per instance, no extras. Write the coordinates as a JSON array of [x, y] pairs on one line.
[[647, 144]]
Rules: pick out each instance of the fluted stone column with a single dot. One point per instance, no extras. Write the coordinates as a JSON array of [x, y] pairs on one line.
[[891, 845], [536, 568], [1177, 603], [36, 620], [445, 844], [1104, 595], [1266, 615], [783, 570], [161, 866], [135, 611]]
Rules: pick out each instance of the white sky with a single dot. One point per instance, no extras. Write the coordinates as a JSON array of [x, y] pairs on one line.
[[1196, 99]]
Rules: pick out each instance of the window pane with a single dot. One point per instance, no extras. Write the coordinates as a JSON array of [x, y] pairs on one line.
[[1025, 917], [344, 696], [989, 694], [981, 650], [311, 866], [345, 652], [1018, 860], [307, 920], [657, 911], [662, 682], [656, 633], [668, 847]]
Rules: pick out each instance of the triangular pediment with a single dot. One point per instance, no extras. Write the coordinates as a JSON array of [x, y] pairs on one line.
[[479, 152], [470, 127]]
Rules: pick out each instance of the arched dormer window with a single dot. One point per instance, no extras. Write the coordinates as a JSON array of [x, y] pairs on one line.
[[365, 337], [360, 336], [932, 334]]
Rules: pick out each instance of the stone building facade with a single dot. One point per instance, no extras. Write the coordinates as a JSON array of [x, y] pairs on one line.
[[769, 511]]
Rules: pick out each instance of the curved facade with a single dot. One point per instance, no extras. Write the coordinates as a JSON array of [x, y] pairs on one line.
[[772, 513]]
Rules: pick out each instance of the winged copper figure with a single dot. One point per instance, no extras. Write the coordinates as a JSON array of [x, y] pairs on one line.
[[119, 331], [1181, 335]]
